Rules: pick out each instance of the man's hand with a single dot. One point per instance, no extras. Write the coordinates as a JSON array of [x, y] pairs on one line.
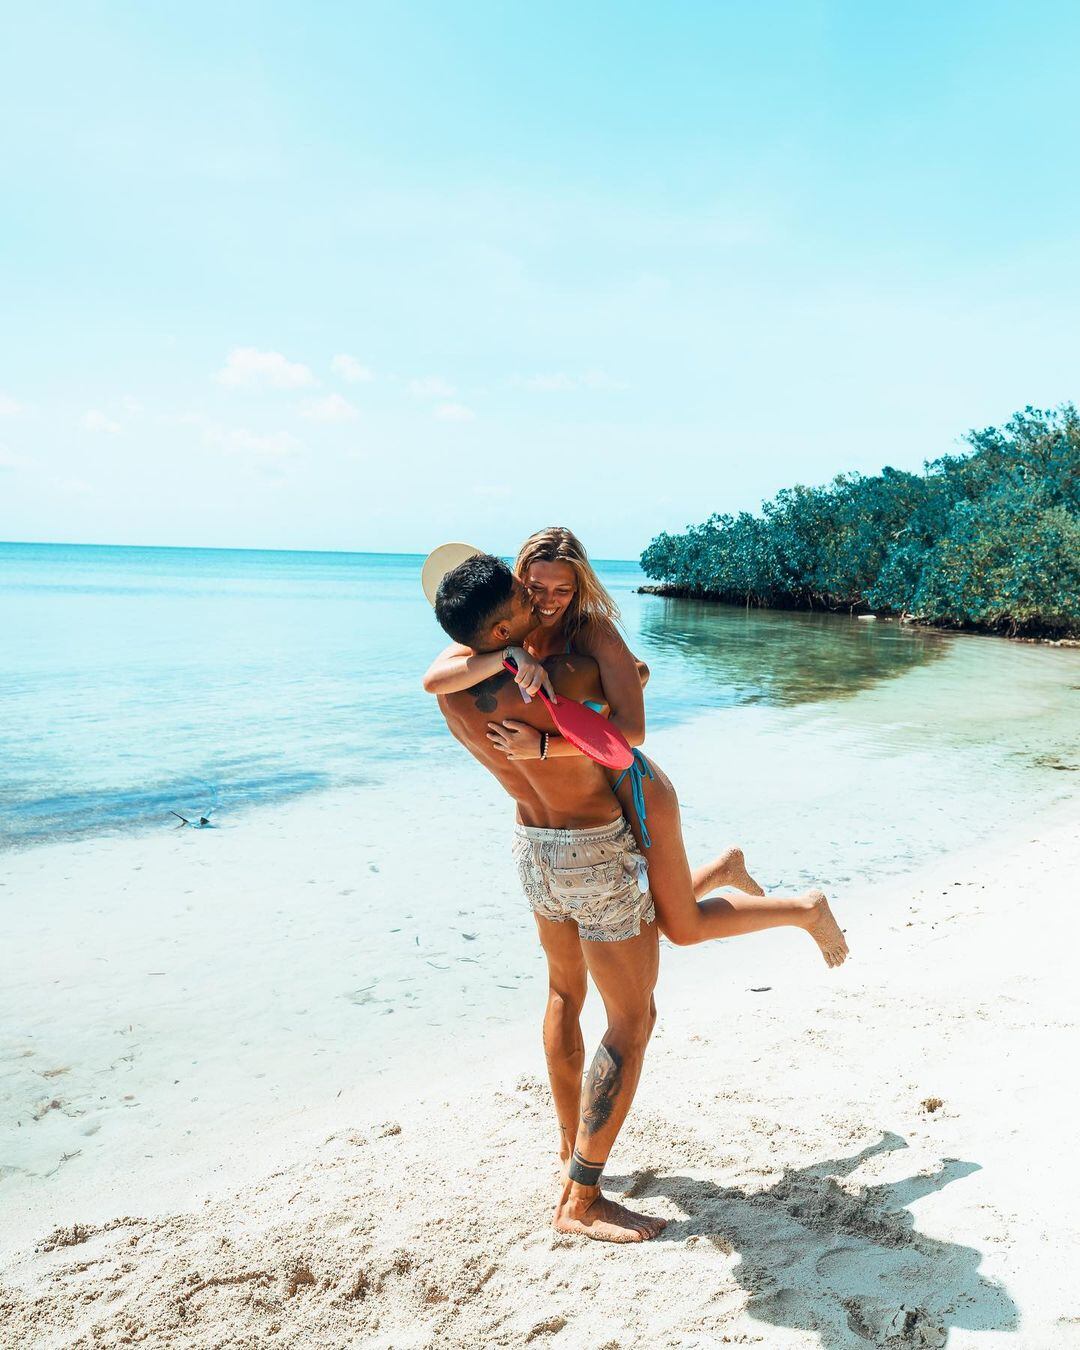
[[531, 675], [517, 740]]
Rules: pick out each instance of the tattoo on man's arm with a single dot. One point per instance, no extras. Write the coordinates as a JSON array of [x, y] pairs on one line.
[[602, 1086]]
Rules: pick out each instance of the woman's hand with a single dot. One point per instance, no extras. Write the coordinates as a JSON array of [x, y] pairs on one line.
[[517, 740], [531, 675]]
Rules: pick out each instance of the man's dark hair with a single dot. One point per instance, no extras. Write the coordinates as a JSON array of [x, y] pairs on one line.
[[470, 596]]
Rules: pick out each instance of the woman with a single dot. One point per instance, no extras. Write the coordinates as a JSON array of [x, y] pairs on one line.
[[577, 617]]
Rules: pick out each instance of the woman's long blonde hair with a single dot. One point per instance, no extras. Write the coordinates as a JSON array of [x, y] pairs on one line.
[[591, 605]]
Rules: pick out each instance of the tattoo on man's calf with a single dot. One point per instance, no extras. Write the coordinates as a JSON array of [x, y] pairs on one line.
[[602, 1086]]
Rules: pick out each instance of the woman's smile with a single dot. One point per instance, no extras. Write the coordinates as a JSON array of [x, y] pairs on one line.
[[551, 586]]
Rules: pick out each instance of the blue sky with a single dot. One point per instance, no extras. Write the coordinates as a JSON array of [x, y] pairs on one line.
[[372, 276]]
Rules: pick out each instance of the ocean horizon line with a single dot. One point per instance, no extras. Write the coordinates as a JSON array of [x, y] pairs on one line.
[[234, 548]]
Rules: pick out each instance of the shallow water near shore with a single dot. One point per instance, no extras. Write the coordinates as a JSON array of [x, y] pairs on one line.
[[137, 682]]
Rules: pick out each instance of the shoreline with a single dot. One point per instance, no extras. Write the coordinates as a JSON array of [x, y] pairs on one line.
[[673, 591], [782, 1126], [677, 727]]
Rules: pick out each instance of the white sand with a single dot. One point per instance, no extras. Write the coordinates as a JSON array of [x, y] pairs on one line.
[[780, 1126]]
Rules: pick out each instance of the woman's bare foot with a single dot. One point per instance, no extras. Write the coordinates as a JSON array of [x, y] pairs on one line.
[[727, 870], [583, 1210], [823, 928]]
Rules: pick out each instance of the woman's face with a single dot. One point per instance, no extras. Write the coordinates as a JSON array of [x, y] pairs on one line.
[[551, 586]]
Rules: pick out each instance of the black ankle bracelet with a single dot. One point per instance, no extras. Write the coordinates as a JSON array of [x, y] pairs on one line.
[[582, 1171]]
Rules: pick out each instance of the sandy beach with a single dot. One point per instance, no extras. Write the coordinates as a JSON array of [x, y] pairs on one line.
[[868, 1156]]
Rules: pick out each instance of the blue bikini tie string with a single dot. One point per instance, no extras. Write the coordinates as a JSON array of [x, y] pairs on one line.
[[638, 771]]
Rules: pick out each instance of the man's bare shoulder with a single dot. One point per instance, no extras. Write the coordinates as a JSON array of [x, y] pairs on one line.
[[483, 697]]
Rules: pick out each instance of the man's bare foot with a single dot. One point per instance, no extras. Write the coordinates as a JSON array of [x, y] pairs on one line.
[[584, 1210], [823, 928], [729, 870]]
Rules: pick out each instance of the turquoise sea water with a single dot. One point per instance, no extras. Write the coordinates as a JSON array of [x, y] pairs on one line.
[[139, 681]]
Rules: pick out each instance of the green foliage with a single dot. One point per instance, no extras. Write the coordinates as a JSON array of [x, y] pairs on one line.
[[988, 539]]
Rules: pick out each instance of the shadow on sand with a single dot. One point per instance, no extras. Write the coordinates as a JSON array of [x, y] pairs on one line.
[[848, 1265]]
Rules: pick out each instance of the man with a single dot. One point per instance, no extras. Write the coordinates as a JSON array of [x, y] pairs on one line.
[[577, 860]]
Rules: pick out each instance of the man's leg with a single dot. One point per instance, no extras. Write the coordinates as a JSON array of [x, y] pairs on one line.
[[564, 1048], [625, 974]]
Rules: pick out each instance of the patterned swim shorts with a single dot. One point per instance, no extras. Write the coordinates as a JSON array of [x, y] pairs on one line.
[[595, 877]]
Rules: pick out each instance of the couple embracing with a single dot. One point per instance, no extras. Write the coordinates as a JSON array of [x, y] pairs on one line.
[[600, 855]]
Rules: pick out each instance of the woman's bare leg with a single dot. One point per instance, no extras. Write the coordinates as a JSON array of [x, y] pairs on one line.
[[686, 918], [729, 869], [733, 915]]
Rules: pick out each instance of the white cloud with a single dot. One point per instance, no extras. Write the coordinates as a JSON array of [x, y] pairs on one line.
[[266, 446], [454, 412], [560, 381], [240, 441], [74, 487], [10, 460], [247, 367], [9, 407], [131, 405], [95, 420], [332, 408], [546, 384], [431, 386], [349, 368], [597, 379]]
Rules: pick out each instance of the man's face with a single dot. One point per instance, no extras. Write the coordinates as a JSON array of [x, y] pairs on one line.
[[513, 624]]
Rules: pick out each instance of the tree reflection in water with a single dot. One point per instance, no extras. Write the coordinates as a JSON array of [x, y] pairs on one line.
[[716, 655]]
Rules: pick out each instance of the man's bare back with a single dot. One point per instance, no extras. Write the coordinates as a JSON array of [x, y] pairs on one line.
[[569, 793]]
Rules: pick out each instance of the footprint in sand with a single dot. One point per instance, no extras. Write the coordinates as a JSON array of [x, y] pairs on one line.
[[783, 1307], [835, 1262]]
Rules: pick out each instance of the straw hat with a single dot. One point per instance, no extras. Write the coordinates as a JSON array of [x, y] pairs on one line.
[[442, 560]]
